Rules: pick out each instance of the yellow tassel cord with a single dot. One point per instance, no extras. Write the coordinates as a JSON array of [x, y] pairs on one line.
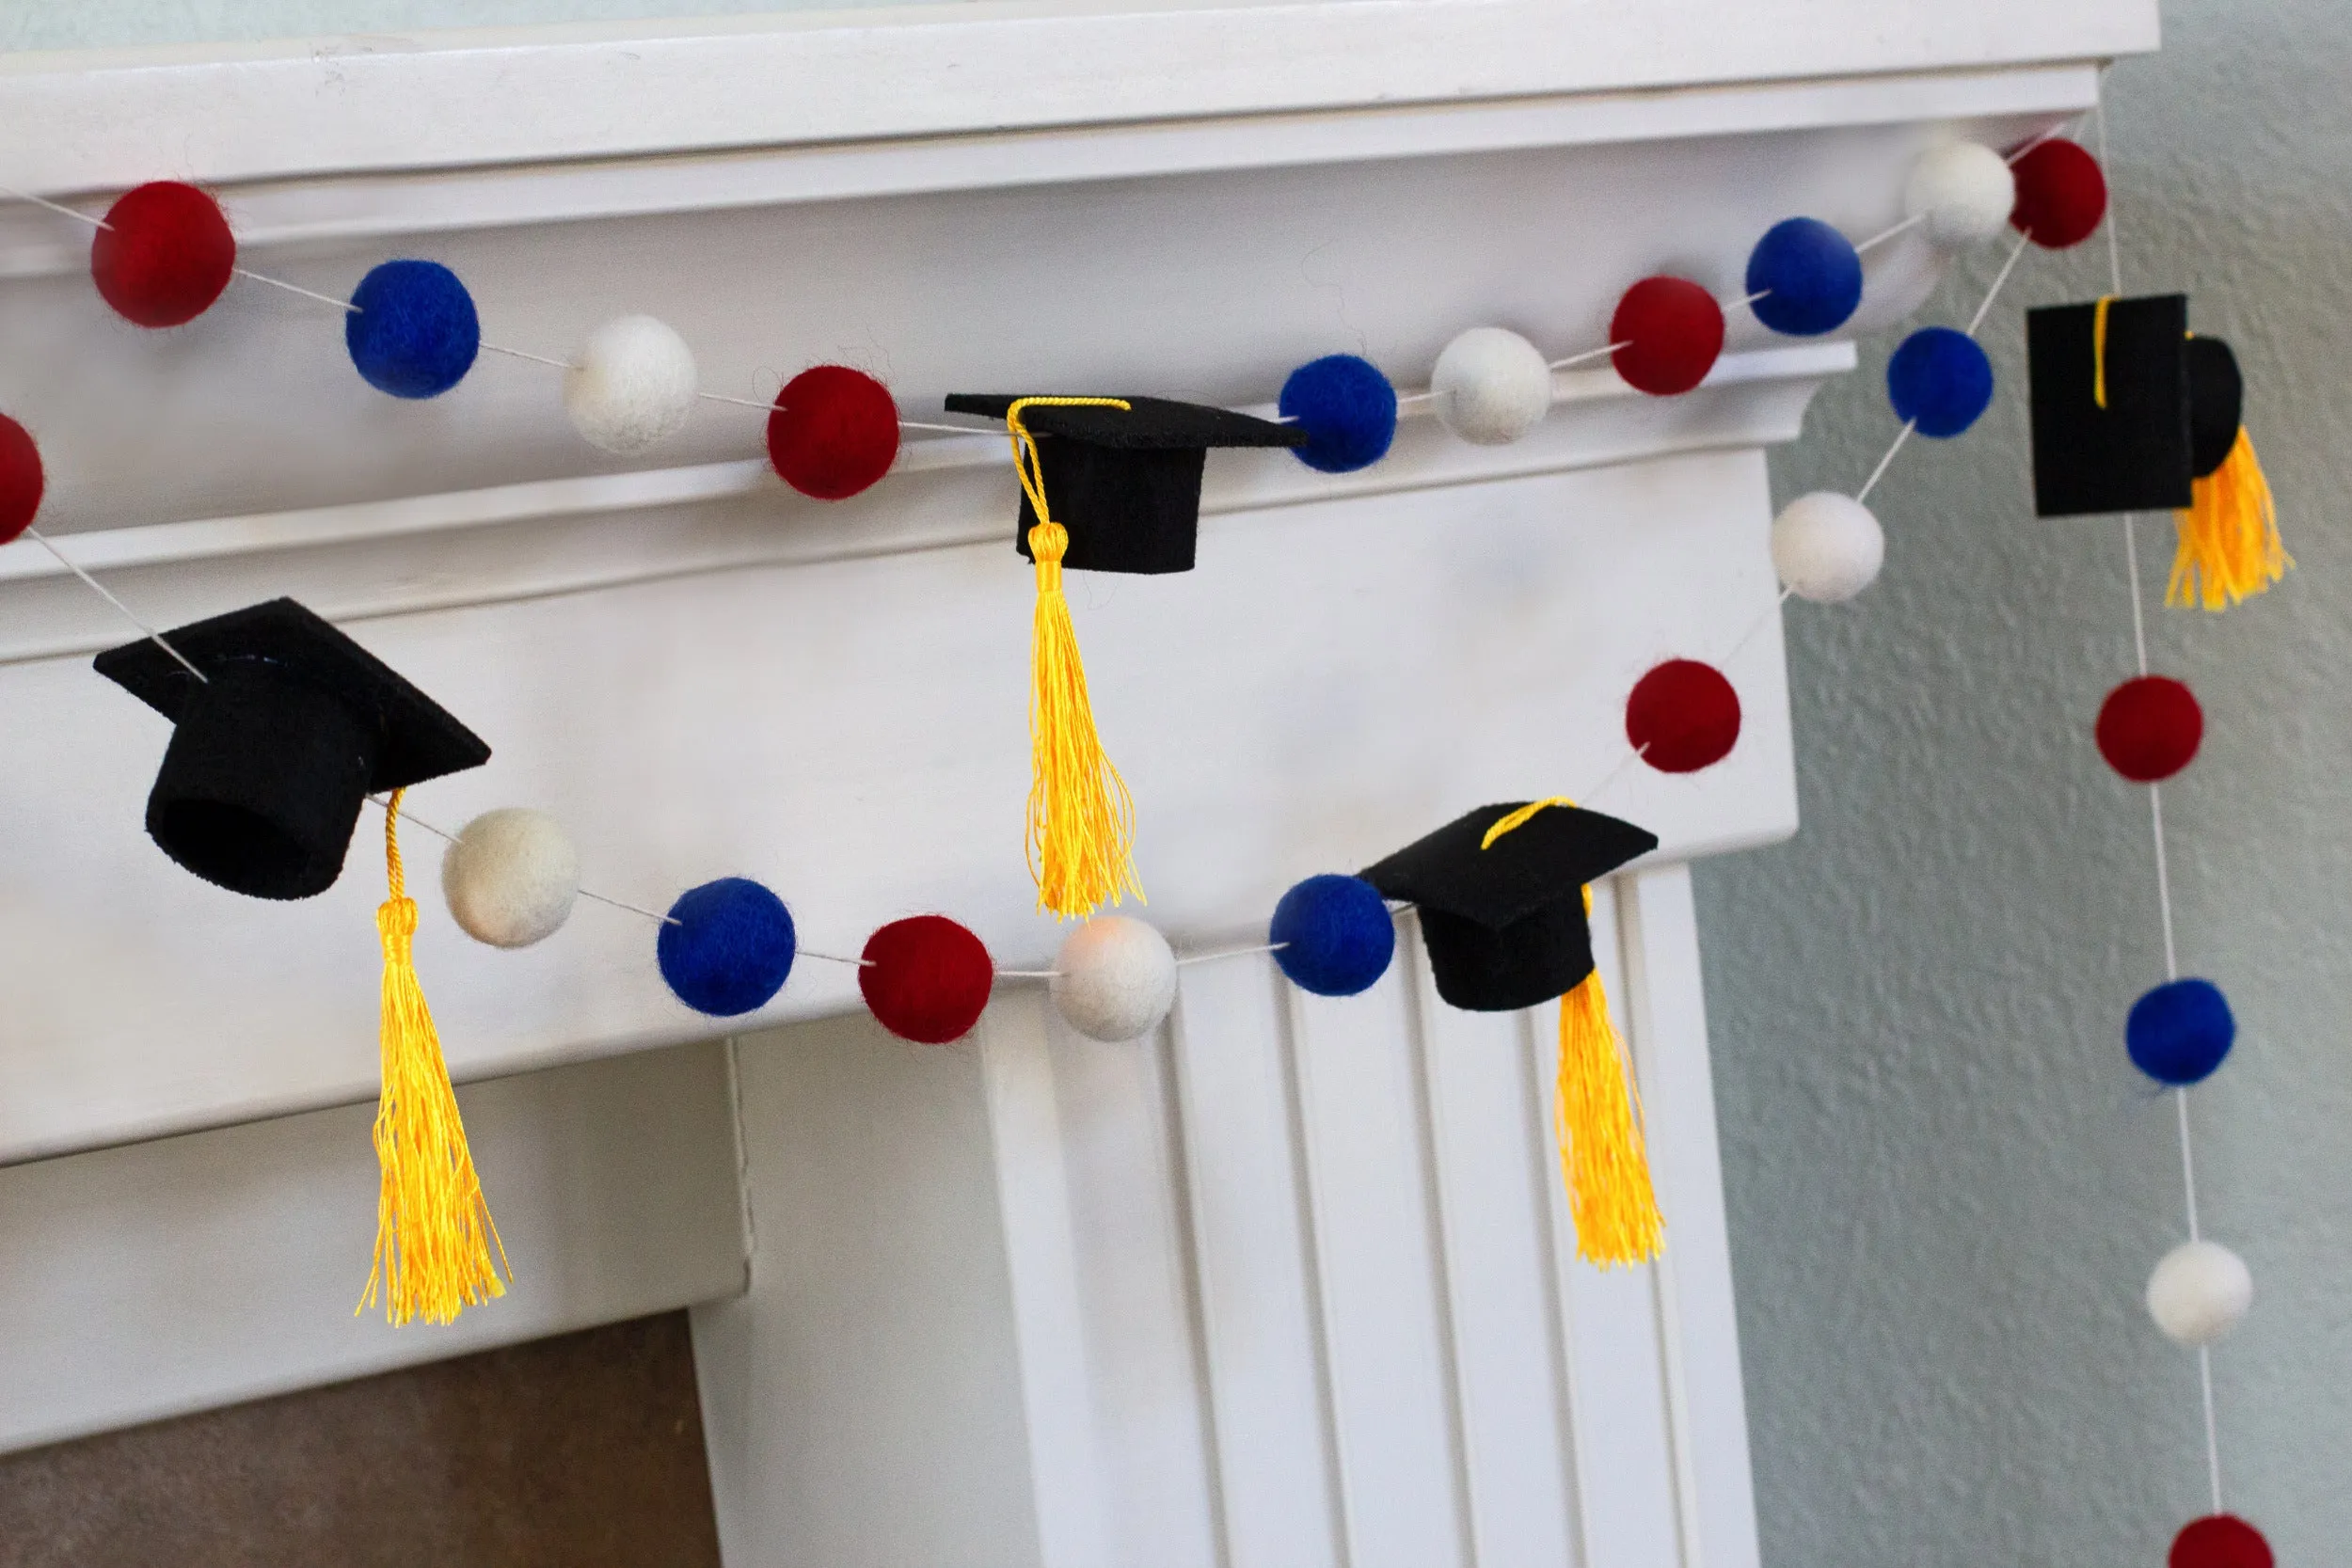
[[1597, 1114], [1082, 820], [2229, 547], [432, 1229]]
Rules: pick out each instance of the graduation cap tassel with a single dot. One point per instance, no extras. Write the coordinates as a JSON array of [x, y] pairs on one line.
[[2229, 547], [433, 1227], [1081, 835]]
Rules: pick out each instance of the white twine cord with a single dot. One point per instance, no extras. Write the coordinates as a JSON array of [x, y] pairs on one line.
[[123, 610], [447, 837]]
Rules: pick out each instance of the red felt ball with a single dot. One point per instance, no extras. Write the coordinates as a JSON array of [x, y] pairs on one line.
[[21, 480], [1670, 331], [2149, 728], [164, 254], [926, 978], [835, 430], [2219, 1541], [1682, 716], [2061, 193]]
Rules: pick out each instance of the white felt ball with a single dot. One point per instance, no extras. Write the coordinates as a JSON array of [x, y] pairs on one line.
[[510, 877], [631, 385], [1826, 546], [2199, 1293], [1963, 191], [1492, 387], [1115, 978]]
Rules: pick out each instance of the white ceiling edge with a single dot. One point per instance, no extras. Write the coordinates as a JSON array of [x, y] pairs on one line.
[[461, 100]]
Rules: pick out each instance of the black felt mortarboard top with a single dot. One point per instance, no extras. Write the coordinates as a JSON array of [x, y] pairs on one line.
[[1505, 925], [272, 753], [2133, 453], [1126, 482], [2217, 405]]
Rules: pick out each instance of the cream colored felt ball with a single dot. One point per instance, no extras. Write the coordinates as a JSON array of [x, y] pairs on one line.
[[1827, 547], [1962, 192], [1115, 980], [1491, 386], [631, 385], [510, 877], [2199, 1293]]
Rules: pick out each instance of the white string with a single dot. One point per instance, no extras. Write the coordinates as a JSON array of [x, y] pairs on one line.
[[1998, 278], [1230, 953], [100, 589], [410, 817], [1885, 234], [526, 354], [58, 207], [837, 959], [1029, 975], [1879, 472], [342, 305], [1588, 354]]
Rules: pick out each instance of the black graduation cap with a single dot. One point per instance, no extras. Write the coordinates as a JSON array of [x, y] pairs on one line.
[[272, 752], [2133, 453], [2217, 405], [1126, 482], [1505, 925]]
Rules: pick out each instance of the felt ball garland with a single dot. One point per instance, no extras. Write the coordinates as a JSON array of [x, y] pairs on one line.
[[2149, 728], [1827, 547], [2061, 193], [2219, 1541], [1682, 716], [631, 385], [1961, 192], [926, 978], [164, 254], [2180, 1032], [726, 947], [1114, 979], [2200, 1293], [1940, 381], [833, 433], [411, 330], [1333, 935], [510, 877], [1491, 386], [1806, 278], [1668, 333], [22, 479], [1347, 409]]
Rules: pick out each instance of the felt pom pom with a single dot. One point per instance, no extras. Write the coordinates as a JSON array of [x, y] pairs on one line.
[[2219, 1541], [1335, 935], [2199, 1293], [1809, 276], [1939, 380], [1682, 716], [835, 432], [1492, 385], [2149, 728], [1961, 192], [510, 877], [1347, 409], [630, 386], [1115, 978], [926, 978], [1827, 547], [2061, 193], [21, 479], [1670, 332], [726, 946], [411, 330], [2180, 1032], [164, 254]]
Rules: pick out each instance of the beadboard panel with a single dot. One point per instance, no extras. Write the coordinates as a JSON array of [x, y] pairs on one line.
[[1286, 1282]]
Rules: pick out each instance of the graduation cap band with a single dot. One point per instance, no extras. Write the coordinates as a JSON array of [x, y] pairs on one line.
[[1031, 467], [1520, 817]]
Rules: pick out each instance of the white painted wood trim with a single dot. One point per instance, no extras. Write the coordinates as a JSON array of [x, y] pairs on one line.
[[457, 100]]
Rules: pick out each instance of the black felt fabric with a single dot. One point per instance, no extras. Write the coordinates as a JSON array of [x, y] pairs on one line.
[[1126, 484], [1505, 926], [2216, 403], [272, 753], [2132, 455]]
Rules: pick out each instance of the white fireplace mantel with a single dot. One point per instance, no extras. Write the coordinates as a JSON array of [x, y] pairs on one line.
[[704, 674]]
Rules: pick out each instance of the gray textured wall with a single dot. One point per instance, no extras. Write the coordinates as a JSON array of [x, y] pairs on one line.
[[1946, 1183]]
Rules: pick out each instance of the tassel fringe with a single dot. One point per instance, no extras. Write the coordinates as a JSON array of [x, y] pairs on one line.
[[432, 1229], [1602, 1155], [2230, 548]]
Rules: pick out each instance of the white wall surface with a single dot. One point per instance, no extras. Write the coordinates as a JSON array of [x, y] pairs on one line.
[[1946, 1183]]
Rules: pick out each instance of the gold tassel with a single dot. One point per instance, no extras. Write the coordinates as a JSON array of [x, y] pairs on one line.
[[1597, 1114], [2229, 546], [433, 1228], [1082, 828]]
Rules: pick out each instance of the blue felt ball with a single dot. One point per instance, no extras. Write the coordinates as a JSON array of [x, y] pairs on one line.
[[727, 946], [1809, 274], [1939, 380], [1336, 934], [2180, 1032], [411, 330], [1347, 408]]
